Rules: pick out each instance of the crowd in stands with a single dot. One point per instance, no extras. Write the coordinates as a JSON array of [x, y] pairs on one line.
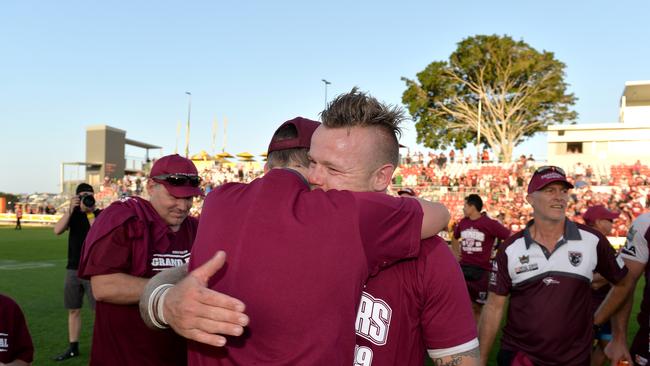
[[449, 178], [134, 185], [626, 188]]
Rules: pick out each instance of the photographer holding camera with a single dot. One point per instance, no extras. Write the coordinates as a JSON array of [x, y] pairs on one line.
[[79, 217]]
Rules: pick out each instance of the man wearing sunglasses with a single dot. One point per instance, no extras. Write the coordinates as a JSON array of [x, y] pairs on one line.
[[130, 242], [546, 271]]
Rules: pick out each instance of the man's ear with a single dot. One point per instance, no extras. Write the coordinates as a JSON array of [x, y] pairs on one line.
[[382, 177], [266, 168]]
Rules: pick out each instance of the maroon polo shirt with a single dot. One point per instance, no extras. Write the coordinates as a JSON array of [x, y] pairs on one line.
[[130, 237], [415, 306], [15, 341], [298, 260], [549, 314], [477, 238]]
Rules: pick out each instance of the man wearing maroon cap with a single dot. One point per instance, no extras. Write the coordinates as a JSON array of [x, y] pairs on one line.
[[546, 271], [600, 218], [130, 242]]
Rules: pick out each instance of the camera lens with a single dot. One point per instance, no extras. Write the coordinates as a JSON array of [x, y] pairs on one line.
[[88, 201]]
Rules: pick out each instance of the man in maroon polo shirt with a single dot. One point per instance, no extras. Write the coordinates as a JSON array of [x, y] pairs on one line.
[[16, 347], [430, 308], [600, 218], [130, 242], [546, 271], [299, 260], [416, 306], [635, 256], [474, 240]]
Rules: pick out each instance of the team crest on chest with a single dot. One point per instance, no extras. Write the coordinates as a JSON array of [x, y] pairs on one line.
[[575, 258], [524, 259]]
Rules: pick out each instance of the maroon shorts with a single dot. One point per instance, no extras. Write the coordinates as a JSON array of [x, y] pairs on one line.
[[477, 283]]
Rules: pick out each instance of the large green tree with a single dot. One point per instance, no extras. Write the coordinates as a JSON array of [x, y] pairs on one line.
[[521, 91]]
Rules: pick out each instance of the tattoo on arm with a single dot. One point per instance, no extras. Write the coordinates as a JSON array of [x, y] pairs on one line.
[[458, 359]]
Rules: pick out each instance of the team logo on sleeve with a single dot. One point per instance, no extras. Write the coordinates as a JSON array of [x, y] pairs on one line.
[[575, 258]]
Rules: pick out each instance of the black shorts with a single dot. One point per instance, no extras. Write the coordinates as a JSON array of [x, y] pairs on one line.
[[74, 290], [477, 280]]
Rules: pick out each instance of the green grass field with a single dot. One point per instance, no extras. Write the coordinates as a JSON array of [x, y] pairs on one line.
[[32, 269]]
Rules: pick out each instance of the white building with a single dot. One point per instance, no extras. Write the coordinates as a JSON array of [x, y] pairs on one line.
[[604, 144]]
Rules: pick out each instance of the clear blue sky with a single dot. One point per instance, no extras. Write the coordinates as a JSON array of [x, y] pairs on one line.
[[67, 65]]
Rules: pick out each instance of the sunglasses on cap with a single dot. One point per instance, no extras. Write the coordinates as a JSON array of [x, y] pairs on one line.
[[179, 179], [551, 168]]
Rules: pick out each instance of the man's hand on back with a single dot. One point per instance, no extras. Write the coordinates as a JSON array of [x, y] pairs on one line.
[[203, 315]]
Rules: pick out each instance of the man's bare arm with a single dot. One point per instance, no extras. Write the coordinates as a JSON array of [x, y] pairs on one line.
[[615, 298], [617, 350], [118, 288], [467, 358], [435, 219], [489, 324], [455, 247]]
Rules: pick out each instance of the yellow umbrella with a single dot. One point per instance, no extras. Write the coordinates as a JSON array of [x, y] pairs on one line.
[[245, 155], [225, 155], [203, 155], [264, 154]]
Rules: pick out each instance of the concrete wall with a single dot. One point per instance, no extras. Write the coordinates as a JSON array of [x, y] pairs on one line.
[[604, 146], [637, 113], [105, 145]]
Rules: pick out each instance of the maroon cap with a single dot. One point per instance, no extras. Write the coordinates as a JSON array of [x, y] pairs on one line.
[[305, 128], [546, 175], [176, 164], [599, 212], [408, 191]]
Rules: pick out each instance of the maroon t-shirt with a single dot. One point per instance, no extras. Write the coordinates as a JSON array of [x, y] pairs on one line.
[[298, 260], [549, 314], [15, 341], [120, 336], [477, 238], [413, 306]]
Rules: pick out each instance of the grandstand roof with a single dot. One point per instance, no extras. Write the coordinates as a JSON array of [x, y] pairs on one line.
[[637, 91], [143, 145]]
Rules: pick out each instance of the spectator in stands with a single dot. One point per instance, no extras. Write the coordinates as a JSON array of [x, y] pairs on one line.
[[485, 156], [79, 218]]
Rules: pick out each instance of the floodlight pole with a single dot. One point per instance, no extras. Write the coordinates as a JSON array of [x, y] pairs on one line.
[[478, 138], [187, 137], [326, 84]]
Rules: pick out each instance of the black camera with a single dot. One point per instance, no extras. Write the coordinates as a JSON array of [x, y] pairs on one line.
[[88, 200]]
